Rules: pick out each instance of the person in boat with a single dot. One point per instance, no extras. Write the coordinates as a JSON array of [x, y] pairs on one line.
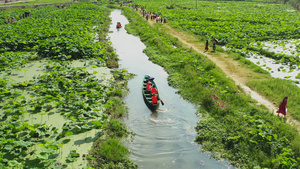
[[149, 84], [118, 24], [154, 99], [153, 90], [282, 106]]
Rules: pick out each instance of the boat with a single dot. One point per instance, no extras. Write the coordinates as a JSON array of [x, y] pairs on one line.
[[148, 96], [119, 25]]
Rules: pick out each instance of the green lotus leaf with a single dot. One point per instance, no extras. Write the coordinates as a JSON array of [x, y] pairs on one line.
[[43, 156], [69, 133], [8, 147]]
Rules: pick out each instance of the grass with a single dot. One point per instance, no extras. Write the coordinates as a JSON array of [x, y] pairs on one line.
[[276, 90], [231, 124]]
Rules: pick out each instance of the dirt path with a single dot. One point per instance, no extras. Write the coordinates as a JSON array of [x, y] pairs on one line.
[[232, 68]]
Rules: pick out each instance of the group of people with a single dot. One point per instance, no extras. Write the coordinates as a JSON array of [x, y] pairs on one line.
[[13, 19], [215, 42], [152, 89], [62, 7], [153, 16]]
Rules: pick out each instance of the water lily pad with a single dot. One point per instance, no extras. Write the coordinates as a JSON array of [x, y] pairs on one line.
[[43, 156]]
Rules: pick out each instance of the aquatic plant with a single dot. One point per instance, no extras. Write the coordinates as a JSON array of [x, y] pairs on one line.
[[73, 93]]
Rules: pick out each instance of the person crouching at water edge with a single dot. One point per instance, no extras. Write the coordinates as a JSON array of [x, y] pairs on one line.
[[283, 107]]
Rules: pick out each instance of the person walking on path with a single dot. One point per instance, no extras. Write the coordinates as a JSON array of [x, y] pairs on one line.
[[283, 106], [214, 44], [206, 46]]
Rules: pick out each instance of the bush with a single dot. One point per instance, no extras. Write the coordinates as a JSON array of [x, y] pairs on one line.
[[116, 129], [111, 154]]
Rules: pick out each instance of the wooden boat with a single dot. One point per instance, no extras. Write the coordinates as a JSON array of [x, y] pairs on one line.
[[148, 96]]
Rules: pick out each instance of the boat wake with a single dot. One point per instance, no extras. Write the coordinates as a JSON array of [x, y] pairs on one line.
[[163, 122]]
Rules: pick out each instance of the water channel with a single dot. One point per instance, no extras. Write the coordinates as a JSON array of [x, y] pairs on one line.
[[163, 139]]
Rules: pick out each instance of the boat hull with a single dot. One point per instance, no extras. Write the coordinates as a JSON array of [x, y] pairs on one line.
[[147, 95]]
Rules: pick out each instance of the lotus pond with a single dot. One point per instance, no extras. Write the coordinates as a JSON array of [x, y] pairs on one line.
[[55, 86]]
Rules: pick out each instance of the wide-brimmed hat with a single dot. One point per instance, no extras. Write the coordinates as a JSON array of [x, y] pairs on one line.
[[150, 78]]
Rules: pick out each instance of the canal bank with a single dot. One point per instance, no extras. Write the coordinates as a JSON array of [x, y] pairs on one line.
[[165, 138]]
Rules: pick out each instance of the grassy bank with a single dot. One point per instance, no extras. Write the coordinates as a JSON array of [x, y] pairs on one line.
[[232, 126], [244, 27]]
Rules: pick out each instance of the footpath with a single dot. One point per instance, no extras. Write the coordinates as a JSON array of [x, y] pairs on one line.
[[232, 68]]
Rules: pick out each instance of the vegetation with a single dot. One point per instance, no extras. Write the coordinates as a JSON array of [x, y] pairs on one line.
[[34, 2], [232, 126], [233, 24], [74, 94], [237, 25]]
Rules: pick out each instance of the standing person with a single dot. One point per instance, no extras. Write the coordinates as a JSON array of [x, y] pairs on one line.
[[214, 44], [147, 16], [165, 19], [206, 46], [282, 106]]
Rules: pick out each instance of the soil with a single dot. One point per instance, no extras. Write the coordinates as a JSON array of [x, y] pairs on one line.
[[233, 69]]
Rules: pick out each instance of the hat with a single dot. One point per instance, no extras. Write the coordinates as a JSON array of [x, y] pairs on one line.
[[150, 78]]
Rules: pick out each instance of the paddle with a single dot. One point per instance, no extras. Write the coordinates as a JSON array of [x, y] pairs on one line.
[[162, 103]]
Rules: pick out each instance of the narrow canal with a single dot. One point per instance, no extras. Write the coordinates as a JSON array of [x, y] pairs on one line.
[[164, 139]]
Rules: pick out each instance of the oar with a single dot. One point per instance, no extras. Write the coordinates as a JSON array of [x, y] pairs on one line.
[[162, 103]]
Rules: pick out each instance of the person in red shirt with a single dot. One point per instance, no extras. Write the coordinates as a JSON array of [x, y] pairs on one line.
[[154, 99], [153, 90], [148, 87], [149, 84], [282, 106], [118, 25]]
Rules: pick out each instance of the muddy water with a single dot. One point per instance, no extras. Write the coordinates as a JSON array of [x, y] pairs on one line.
[[164, 139]]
